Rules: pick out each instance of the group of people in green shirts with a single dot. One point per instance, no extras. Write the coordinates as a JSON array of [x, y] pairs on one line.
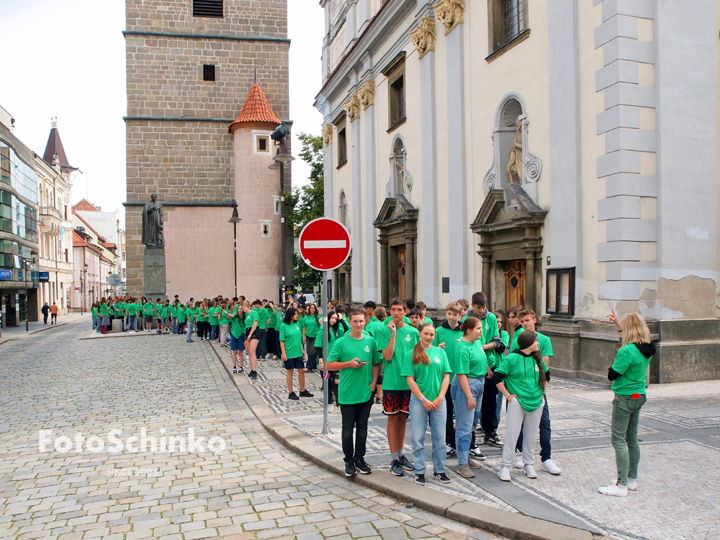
[[468, 364]]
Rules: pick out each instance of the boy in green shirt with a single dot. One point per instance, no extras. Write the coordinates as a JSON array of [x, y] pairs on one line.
[[423, 311], [528, 320], [355, 357], [395, 341]]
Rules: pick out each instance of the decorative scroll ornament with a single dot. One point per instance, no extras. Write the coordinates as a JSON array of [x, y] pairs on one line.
[[327, 134], [423, 37], [450, 13], [366, 93], [352, 108]]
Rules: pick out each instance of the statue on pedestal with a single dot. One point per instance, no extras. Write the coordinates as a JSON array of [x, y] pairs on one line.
[[152, 224]]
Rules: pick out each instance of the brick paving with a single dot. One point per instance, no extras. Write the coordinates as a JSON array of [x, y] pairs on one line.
[[255, 488], [679, 470]]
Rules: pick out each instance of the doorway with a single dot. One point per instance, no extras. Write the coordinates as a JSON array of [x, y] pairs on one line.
[[514, 283]]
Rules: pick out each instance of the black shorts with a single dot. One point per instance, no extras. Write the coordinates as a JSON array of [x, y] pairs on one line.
[[258, 334], [294, 363], [396, 401]]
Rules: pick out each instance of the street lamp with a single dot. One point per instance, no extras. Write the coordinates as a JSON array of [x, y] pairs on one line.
[[235, 219], [282, 161], [83, 287], [26, 267]]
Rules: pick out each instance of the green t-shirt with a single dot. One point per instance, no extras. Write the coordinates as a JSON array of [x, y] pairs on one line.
[[148, 309], [428, 320], [497, 357], [163, 312], [251, 318], [94, 311], [291, 335], [428, 377], [158, 307], [405, 339], [312, 327], [104, 311], [632, 366], [182, 315], [202, 315], [332, 338], [273, 318], [544, 343], [278, 318], [211, 316], [470, 360], [406, 320], [173, 311], [263, 316], [223, 316], [522, 378], [237, 324], [449, 337], [354, 385]]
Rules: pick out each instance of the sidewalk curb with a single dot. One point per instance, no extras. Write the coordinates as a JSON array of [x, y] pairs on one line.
[[49, 327], [512, 525]]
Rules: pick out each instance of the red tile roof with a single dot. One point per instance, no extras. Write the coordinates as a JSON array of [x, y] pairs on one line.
[[256, 109], [78, 240]]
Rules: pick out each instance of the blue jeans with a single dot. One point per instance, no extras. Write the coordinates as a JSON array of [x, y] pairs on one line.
[[419, 417], [98, 323], [465, 419], [175, 325], [189, 331], [132, 323], [545, 433], [213, 332]]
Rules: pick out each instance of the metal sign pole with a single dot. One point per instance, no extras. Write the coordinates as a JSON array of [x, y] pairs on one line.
[[324, 299]]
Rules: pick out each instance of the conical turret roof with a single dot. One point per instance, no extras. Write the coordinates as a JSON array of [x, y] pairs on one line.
[[54, 146], [256, 109]]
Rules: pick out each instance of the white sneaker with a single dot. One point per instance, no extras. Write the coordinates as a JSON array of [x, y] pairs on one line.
[[504, 474], [529, 471], [614, 490], [551, 467], [331, 409], [519, 464], [632, 484]]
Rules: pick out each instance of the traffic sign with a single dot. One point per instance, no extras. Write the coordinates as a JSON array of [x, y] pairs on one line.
[[324, 244]]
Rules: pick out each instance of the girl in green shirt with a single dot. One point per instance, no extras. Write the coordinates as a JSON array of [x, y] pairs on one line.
[[202, 322], [95, 317], [254, 334], [223, 324], [335, 332], [104, 312], [147, 309], [522, 377], [213, 317], [428, 375], [311, 328], [292, 352], [629, 376]]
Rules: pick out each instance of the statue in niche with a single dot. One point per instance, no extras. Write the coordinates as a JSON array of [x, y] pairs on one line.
[[152, 224], [514, 167]]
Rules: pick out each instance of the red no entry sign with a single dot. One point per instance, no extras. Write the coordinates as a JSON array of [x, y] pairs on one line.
[[324, 244]]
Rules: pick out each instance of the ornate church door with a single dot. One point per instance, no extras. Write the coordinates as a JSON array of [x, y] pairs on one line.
[[514, 283]]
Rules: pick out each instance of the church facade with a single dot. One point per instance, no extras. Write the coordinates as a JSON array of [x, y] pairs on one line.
[[192, 67], [560, 155]]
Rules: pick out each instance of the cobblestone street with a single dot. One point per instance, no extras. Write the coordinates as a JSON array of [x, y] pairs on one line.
[[255, 488], [678, 477]]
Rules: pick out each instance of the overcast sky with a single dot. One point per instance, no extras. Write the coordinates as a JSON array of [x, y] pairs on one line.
[[66, 59]]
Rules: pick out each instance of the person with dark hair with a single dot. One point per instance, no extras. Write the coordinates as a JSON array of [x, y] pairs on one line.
[[409, 303], [292, 353], [312, 325], [428, 375], [522, 377], [416, 318], [396, 341], [369, 308], [254, 334], [374, 328], [335, 332], [45, 311], [355, 358], [422, 307]]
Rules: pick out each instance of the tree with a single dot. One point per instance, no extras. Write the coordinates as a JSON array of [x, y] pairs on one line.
[[305, 204]]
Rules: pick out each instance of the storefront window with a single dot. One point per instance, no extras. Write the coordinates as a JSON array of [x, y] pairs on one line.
[[18, 174]]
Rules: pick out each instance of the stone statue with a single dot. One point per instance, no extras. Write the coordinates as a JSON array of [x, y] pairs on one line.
[[515, 164], [152, 224]]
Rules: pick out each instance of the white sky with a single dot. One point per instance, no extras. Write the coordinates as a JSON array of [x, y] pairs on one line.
[[66, 59]]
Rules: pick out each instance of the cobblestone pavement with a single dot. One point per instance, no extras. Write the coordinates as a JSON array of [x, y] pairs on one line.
[[255, 488], [679, 470]]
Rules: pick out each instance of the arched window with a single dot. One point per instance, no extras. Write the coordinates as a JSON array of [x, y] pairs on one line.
[[400, 182], [513, 163]]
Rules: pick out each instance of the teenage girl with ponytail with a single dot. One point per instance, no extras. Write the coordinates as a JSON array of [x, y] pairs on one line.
[[428, 375], [521, 378]]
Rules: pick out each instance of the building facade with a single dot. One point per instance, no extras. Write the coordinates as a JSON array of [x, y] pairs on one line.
[[560, 155], [91, 270], [54, 174], [191, 64], [98, 284], [19, 247]]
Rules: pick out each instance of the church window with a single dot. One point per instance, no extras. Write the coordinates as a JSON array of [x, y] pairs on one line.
[[343, 208], [395, 73], [212, 9], [508, 20], [342, 147], [261, 143], [208, 72], [513, 22]]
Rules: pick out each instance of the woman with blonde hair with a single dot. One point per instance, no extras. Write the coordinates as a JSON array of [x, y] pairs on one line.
[[628, 375], [428, 375]]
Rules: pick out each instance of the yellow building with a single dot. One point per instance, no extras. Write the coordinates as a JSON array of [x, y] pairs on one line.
[[560, 155]]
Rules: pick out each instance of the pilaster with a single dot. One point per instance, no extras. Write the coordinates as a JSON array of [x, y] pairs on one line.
[[366, 93]]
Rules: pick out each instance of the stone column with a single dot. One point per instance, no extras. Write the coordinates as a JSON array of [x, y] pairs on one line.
[[486, 280], [327, 133], [410, 268], [423, 38], [366, 93], [530, 281], [384, 271], [450, 14], [352, 108]]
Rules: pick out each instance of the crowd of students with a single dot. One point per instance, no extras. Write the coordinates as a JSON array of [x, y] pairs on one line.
[[451, 378]]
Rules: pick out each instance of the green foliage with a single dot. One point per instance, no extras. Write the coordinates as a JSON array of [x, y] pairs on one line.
[[305, 204]]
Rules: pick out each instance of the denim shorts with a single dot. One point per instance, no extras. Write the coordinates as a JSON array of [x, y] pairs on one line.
[[236, 343]]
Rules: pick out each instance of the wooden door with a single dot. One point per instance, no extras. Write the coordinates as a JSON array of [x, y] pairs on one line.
[[401, 271], [514, 283]]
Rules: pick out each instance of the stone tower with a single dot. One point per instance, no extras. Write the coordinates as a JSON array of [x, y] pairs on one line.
[[190, 67]]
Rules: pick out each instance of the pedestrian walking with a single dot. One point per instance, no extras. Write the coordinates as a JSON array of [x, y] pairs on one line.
[[428, 375], [355, 358], [629, 377], [522, 377], [45, 311]]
